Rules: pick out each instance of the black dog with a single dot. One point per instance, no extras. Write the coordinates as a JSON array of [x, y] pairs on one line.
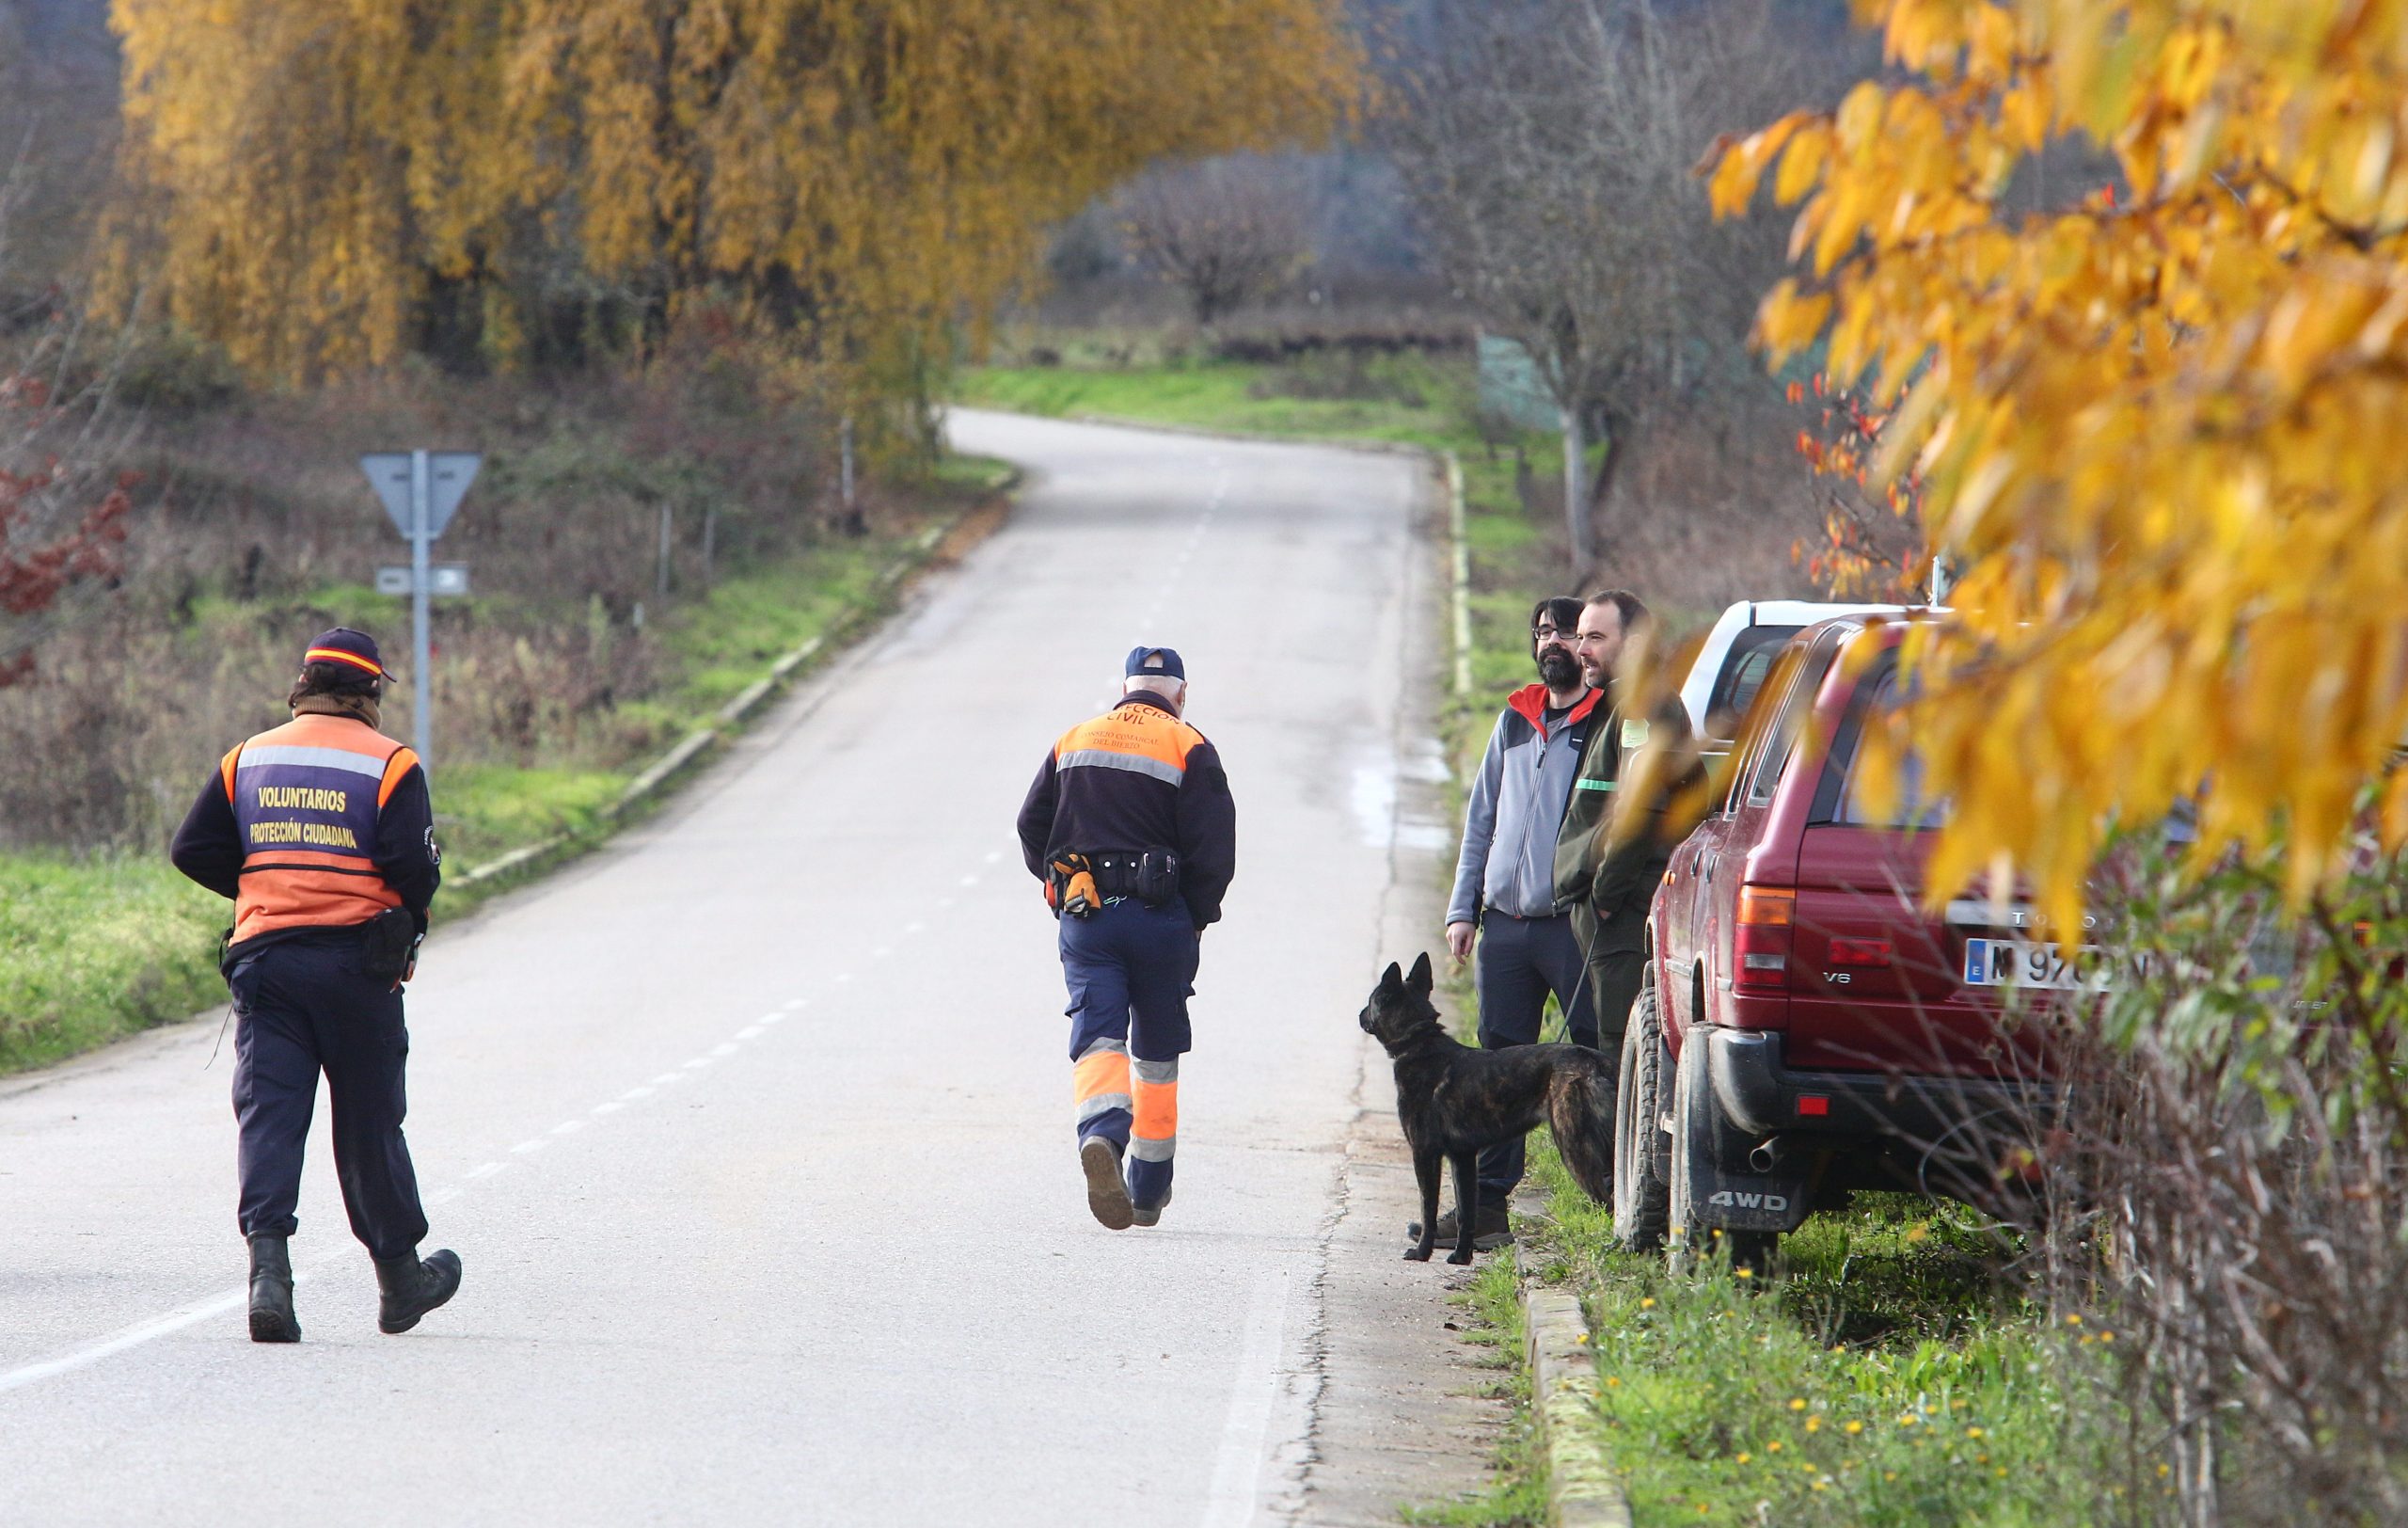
[[1453, 1100]]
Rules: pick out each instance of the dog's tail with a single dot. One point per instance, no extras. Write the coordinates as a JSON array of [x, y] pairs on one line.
[[1581, 1110]]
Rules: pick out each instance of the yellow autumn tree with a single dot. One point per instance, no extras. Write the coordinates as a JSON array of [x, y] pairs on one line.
[[2156, 427], [306, 177]]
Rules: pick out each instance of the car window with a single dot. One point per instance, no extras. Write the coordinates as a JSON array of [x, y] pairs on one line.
[[1743, 669], [1753, 728], [1787, 720], [1913, 808]]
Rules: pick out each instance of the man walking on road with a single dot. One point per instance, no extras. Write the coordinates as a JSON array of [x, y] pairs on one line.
[[1505, 882], [322, 832], [1607, 889], [1131, 827]]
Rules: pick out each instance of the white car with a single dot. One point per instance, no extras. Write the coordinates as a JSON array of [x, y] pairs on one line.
[[1739, 652]]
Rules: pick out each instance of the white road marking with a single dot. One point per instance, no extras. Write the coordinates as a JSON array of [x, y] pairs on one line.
[[526, 1146], [487, 1170], [698, 1063], [723, 1048], [753, 1031], [994, 857], [913, 928], [793, 1003], [841, 977], [611, 1106], [174, 1321], [443, 1196], [969, 880], [881, 952], [772, 1018], [1237, 1470], [666, 1078], [568, 1127], [943, 903], [634, 1094]]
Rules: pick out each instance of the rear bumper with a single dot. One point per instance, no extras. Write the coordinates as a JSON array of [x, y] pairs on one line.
[[1761, 1096]]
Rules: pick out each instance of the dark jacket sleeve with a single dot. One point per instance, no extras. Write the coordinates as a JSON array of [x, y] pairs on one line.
[[1037, 817], [1208, 835], [406, 856], [208, 846], [1627, 878]]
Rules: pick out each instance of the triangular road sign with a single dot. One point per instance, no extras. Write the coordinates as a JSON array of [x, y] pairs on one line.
[[449, 474]]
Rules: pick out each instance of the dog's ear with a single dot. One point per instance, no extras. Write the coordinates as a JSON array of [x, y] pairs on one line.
[[1420, 982], [1392, 980]]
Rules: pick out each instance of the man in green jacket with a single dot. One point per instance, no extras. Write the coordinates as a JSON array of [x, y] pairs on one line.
[[1605, 885]]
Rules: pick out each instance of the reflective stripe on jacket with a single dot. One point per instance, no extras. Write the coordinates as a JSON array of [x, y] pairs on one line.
[[1135, 778], [306, 797]]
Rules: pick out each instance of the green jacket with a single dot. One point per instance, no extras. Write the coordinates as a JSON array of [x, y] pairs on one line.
[[1608, 894]]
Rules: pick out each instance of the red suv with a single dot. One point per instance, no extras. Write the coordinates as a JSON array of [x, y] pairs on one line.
[[1805, 1029]]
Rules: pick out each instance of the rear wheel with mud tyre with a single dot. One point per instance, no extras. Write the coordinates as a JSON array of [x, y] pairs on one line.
[[1643, 1152], [1701, 1139]]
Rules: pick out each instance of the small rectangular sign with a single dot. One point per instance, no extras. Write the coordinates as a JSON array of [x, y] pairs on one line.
[[441, 579]]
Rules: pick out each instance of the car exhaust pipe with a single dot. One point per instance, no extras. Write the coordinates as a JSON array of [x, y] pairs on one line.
[[1769, 1153]]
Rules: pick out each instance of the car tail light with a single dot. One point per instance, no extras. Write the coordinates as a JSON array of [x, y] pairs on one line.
[[1814, 1104], [1760, 936], [1860, 952]]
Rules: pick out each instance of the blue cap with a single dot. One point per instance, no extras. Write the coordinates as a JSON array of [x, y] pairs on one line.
[[351, 649], [1155, 660]]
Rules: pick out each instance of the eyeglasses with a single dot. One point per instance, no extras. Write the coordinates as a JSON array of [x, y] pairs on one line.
[[1550, 633]]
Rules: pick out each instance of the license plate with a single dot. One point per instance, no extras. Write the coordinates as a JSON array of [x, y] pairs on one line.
[[2029, 962]]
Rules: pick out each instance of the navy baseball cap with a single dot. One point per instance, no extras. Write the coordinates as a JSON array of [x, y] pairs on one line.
[[353, 650], [1156, 661]]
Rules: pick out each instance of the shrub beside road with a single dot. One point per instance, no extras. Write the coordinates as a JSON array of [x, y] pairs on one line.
[[100, 945]]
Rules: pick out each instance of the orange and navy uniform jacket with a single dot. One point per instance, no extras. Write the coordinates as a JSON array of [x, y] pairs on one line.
[[1135, 778], [320, 823]]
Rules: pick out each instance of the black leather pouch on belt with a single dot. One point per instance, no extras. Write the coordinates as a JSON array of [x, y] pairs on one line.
[[387, 943], [1157, 877]]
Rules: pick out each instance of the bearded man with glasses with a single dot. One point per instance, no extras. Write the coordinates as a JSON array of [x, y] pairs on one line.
[[1504, 891]]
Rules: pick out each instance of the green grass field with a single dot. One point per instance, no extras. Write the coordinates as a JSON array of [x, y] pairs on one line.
[[96, 948]]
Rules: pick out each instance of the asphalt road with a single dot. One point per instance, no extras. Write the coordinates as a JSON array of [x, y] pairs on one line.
[[753, 1130]]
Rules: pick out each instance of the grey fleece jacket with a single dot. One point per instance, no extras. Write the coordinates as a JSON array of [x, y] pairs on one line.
[[1518, 800]]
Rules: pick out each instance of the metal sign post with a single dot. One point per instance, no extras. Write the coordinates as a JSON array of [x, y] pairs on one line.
[[422, 490]]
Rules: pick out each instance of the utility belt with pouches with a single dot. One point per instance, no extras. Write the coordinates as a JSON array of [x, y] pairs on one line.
[[1077, 884]]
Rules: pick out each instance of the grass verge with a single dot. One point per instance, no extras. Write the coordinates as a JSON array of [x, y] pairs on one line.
[[1886, 1376], [95, 947]]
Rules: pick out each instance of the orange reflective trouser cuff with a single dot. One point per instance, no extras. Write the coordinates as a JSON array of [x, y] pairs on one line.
[[1154, 1129], [1100, 1082]]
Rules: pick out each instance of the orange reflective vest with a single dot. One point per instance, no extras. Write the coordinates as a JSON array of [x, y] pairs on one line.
[[306, 797], [1140, 740]]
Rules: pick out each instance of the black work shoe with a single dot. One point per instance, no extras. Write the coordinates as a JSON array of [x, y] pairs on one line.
[[1491, 1229], [271, 1317], [1149, 1215], [1107, 1195], [412, 1288]]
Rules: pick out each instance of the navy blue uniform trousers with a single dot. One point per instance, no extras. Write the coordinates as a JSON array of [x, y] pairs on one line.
[[301, 1008], [1130, 969], [1521, 962]]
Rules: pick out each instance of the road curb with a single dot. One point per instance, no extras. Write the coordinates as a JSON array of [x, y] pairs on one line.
[[1460, 600], [730, 719], [1583, 1487]]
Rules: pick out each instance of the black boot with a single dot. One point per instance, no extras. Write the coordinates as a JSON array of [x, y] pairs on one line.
[[412, 1288], [271, 1317]]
